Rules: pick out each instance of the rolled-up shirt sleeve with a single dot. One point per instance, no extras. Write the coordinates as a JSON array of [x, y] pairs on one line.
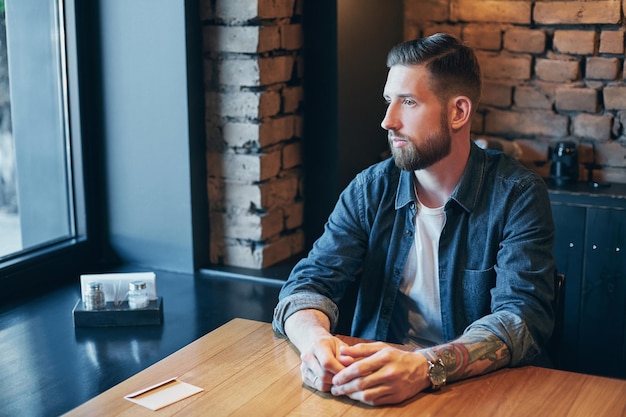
[[513, 331], [302, 301]]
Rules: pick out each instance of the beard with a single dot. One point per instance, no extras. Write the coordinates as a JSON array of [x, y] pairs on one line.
[[432, 149]]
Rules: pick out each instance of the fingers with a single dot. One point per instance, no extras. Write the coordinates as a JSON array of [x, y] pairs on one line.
[[324, 356], [372, 389], [360, 360], [376, 395], [314, 381], [314, 375], [372, 373], [320, 363], [386, 376], [362, 350], [354, 375]]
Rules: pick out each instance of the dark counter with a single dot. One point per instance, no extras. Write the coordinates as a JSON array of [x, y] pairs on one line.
[[582, 193]]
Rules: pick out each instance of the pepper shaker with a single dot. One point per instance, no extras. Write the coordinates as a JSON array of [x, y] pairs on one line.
[[94, 296]]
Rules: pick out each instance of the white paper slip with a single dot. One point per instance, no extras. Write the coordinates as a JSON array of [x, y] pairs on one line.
[[162, 394]]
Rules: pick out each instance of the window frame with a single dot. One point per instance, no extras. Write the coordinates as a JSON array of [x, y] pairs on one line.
[[59, 262]]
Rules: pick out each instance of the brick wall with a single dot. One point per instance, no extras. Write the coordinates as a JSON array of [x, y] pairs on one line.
[[553, 70], [253, 84]]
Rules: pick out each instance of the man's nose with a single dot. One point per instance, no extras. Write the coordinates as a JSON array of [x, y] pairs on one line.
[[390, 121]]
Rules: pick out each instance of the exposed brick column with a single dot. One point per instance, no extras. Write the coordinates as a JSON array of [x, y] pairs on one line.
[[553, 70], [253, 84]]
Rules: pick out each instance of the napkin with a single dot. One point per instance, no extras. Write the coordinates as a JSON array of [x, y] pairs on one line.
[[162, 394]]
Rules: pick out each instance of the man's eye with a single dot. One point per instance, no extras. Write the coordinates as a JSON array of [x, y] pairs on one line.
[[408, 102]]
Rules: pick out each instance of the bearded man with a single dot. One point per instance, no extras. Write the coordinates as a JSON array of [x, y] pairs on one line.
[[450, 247]]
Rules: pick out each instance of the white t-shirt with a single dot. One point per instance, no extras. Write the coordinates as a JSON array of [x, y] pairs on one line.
[[420, 280]]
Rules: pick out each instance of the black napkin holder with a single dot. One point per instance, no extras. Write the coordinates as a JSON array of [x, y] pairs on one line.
[[120, 315]]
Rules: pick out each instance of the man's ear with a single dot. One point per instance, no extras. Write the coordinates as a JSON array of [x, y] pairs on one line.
[[460, 112]]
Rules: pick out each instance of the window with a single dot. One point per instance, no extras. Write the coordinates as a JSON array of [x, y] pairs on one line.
[[42, 200], [10, 236]]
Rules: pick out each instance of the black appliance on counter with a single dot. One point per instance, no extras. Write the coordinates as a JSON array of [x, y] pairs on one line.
[[564, 167]]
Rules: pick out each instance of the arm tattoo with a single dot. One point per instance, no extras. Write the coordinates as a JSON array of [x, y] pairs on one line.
[[474, 353]]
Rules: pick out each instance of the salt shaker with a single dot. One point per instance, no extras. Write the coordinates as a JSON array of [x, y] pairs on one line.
[[94, 296], [137, 295]]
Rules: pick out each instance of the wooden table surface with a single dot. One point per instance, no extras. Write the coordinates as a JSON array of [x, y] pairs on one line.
[[245, 370]]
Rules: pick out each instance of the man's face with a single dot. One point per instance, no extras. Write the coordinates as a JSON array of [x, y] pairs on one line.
[[416, 123]]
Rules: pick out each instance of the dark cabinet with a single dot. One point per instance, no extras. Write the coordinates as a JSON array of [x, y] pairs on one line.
[[590, 246]]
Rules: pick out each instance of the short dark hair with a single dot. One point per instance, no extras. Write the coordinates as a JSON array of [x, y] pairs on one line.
[[453, 66]]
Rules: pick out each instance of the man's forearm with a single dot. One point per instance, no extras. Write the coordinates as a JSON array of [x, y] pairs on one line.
[[477, 352], [304, 326]]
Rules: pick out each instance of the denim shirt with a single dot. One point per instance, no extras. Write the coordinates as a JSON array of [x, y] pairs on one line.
[[496, 265]]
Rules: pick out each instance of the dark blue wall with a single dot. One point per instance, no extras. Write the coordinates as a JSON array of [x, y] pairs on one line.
[[153, 132]]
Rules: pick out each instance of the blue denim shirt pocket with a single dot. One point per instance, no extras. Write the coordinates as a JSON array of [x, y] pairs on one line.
[[477, 285]]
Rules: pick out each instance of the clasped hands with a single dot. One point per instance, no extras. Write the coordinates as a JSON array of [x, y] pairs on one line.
[[373, 373]]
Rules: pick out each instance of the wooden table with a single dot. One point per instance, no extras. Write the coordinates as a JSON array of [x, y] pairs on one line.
[[245, 370]]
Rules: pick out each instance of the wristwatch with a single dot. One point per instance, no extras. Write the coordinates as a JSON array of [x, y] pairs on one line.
[[437, 374]]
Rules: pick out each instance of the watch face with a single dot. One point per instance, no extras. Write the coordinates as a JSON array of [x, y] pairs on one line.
[[438, 374]]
